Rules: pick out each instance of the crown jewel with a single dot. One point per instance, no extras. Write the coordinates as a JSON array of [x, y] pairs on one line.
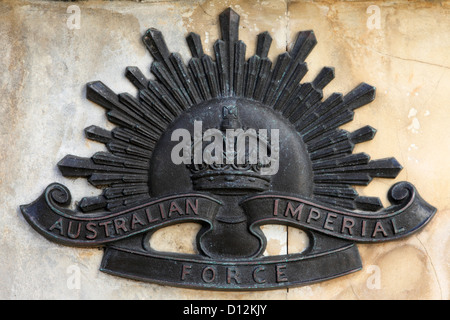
[[238, 168]]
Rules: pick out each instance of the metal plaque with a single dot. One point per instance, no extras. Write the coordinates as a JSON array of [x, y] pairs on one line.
[[231, 144]]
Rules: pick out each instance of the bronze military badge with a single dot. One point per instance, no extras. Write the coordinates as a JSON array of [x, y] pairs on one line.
[[231, 144]]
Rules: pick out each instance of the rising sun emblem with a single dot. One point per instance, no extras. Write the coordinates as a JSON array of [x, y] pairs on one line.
[[295, 127]]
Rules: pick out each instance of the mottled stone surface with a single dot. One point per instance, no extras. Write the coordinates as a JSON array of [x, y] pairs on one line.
[[45, 66]]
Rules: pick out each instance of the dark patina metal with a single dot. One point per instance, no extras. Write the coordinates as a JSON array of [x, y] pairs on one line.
[[144, 190]]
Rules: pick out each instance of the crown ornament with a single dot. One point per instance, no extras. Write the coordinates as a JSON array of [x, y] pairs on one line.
[[233, 171]]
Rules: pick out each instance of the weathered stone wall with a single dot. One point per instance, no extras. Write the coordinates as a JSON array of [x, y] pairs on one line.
[[47, 56]]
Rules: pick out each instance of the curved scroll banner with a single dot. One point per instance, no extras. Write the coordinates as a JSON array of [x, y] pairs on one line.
[[195, 271], [50, 217], [407, 214]]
